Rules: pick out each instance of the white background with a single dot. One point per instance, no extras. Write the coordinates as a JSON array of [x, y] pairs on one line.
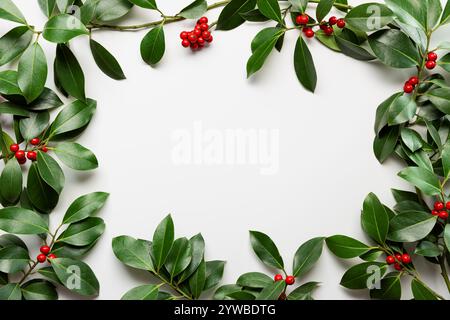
[[327, 165]]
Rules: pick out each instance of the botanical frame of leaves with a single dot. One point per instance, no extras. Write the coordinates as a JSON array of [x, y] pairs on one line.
[[403, 41]]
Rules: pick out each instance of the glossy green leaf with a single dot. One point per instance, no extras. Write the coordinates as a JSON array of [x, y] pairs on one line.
[[9, 11], [47, 6], [22, 221], [50, 171], [345, 247], [85, 206], [447, 236], [433, 13], [7, 240], [47, 100], [84, 232], [423, 179], [11, 182], [8, 83], [440, 98], [327, 41], [197, 280], [303, 292], [148, 4], [69, 72], [390, 288], [263, 36], [49, 273], [304, 65], [225, 290], [384, 143], [374, 219], [270, 8], [412, 12], [14, 43], [256, 280], [299, 5], [144, 292], [307, 255], [153, 45], [323, 8], [163, 241], [402, 110], [76, 276], [381, 119], [411, 139], [230, 17], [411, 226], [369, 17], [109, 10], [352, 50], [195, 10], [272, 292], [134, 253], [214, 273], [266, 250], [363, 276], [179, 257], [42, 196], [10, 291], [446, 14], [37, 289], [34, 125], [76, 156], [421, 291], [63, 28], [197, 244], [32, 72], [106, 61], [74, 116], [254, 16], [427, 249], [13, 259]]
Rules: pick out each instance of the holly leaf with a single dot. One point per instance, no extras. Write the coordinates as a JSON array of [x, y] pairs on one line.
[[179, 257], [423, 179], [69, 72], [266, 250], [32, 72], [148, 4], [195, 10], [272, 291], [106, 61], [109, 10], [304, 65], [144, 292], [42, 196], [214, 273], [153, 45], [390, 288], [85, 206], [11, 182], [22, 221], [76, 156], [163, 241], [38, 289], [369, 17], [271, 9], [411, 226], [304, 292], [323, 8], [83, 233], [345, 247], [230, 17], [357, 277], [14, 43], [34, 125], [10, 291], [197, 280], [307, 255], [374, 219], [421, 291], [50, 171], [13, 259], [132, 252], [256, 280], [74, 116], [76, 276], [63, 28], [9, 11]]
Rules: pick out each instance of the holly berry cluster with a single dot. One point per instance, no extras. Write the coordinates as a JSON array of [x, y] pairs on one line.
[[440, 210], [197, 38], [290, 280], [431, 60], [398, 260], [326, 27], [22, 155], [44, 255], [411, 84]]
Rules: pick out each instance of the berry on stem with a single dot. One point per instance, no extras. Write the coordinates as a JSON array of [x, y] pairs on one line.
[[52, 256], [390, 260], [438, 205], [278, 277], [203, 20], [432, 56], [14, 147], [443, 215], [302, 19], [341, 23], [398, 257], [20, 155], [328, 31], [35, 141], [290, 280], [41, 258], [447, 205], [184, 35], [333, 20], [435, 213], [414, 81], [408, 87], [22, 160], [397, 266], [185, 43], [406, 258], [45, 250], [430, 65], [32, 155], [309, 33], [44, 149]]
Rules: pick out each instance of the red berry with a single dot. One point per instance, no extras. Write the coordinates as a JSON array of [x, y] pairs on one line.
[[35, 141], [45, 250], [197, 32], [447, 205], [398, 267], [302, 19], [201, 41], [41, 258], [390, 260], [432, 56], [406, 258], [44, 149], [398, 257], [438, 205], [206, 35], [408, 88], [333, 20], [204, 27], [290, 280], [52, 256], [430, 65], [32, 155], [185, 43], [309, 33], [20, 155], [184, 35], [14, 147], [203, 20], [278, 277], [443, 215], [414, 81], [210, 39], [435, 213], [197, 27], [194, 46], [323, 26], [341, 23], [192, 38], [22, 160], [328, 31]]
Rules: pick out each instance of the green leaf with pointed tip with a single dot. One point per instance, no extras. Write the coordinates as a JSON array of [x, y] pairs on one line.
[[163, 241], [390, 288], [214, 273], [412, 12], [74, 116], [38, 289], [42, 196], [148, 4], [109, 10], [7, 240], [195, 10], [76, 276], [76, 156], [357, 277], [304, 65], [446, 14], [9, 11], [153, 45], [345, 247], [374, 219], [144, 292], [50, 171], [197, 244], [304, 292], [369, 17], [307, 255], [63, 28], [106, 61], [32, 72], [11, 182], [197, 280], [299, 5], [411, 139], [47, 6], [22, 221], [440, 98], [421, 291], [84, 232], [230, 17], [323, 8], [353, 50], [13, 259], [10, 291], [47, 100], [270, 8], [8, 83], [134, 253], [69, 72], [385, 142], [254, 16], [34, 125], [423, 179], [402, 110], [179, 257], [411, 226], [263, 36], [266, 250], [14, 43], [427, 249], [85, 206], [272, 291], [225, 290], [255, 280]]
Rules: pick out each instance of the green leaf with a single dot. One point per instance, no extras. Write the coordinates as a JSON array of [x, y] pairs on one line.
[[11, 182], [153, 45], [225, 290], [69, 72], [14, 43], [394, 49], [447, 236], [63, 28], [323, 8], [34, 125], [327, 41], [214, 273], [446, 14], [7, 240], [134, 253], [47, 6], [10, 291], [381, 119], [445, 61], [369, 17], [22, 221], [47, 100], [76, 156], [195, 10], [263, 36], [50, 171], [390, 288], [109, 10], [411, 226], [416, 34], [440, 98], [41, 195], [402, 110], [412, 12], [360, 275], [304, 65], [13, 259], [256, 280], [412, 139], [299, 5], [270, 8], [9, 11], [254, 16], [179, 257], [144, 292], [374, 219], [423, 179], [352, 50], [272, 292], [148, 4], [304, 292], [163, 241], [84, 232], [106, 61], [8, 83], [76, 276], [85, 206], [240, 295], [433, 13], [197, 280], [38, 289], [230, 17], [421, 291], [401, 195], [427, 249], [32, 72], [74, 116], [266, 250], [384, 143], [197, 244], [345, 247], [307, 255]]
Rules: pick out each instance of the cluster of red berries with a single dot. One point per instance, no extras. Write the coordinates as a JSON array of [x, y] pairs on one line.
[[198, 37], [44, 255], [398, 259], [326, 27], [431, 60], [411, 84], [22, 156], [290, 280], [440, 210]]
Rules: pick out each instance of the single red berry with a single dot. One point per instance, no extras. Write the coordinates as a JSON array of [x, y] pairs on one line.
[[45, 149], [184, 35], [35, 141], [290, 280], [398, 267], [408, 87], [204, 27], [192, 38], [328, 31], [390, 260], [341, 23], [32, 155], [435, 213], [443, 215], [333, 20], [414, 81], [210, 39], [309, 33], [41, 258], [201, 41], [447, 205], [185, 43], [430, 65], [406, 258], [203, 20], [45, 250], [20, 155], [194, 46], [197, 27], [206, 35], [22, 160], [278, 277], [14, 147], [432, 56], [398, 257], [438, 205], [52, 256], [323, 26], [198, 32], [302, 19]]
